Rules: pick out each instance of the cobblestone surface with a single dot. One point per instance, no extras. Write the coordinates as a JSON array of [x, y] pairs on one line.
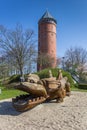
[[69, 115]]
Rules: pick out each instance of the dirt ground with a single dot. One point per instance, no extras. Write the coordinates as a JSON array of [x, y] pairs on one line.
[[69, 115]]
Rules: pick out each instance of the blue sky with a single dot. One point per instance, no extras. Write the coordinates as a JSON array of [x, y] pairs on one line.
[[71, 16]]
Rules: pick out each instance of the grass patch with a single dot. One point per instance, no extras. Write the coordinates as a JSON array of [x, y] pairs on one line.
[[9, 93], [78, 89]]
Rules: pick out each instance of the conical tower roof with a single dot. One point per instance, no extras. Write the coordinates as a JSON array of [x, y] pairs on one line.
[[47, 17]]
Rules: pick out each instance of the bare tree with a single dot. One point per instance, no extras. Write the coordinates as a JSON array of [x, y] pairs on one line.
[[18, 45], [3, 67], [74, 58]]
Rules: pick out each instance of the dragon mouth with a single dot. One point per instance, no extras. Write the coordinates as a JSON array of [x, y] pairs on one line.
[[25, 102]]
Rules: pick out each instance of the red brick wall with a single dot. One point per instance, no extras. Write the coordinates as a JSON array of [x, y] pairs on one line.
[[47, 40]]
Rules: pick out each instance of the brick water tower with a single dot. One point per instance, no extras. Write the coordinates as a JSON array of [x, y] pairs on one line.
[[46, 42]]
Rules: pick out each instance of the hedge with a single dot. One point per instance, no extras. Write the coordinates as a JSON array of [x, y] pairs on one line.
[[82, 86]]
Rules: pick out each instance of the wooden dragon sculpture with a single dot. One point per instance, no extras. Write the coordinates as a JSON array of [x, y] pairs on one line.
[[40, 91]]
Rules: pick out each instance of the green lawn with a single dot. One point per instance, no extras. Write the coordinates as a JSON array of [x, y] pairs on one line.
[[77, 89], [9, 93]]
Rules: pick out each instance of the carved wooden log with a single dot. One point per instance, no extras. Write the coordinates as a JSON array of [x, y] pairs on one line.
[[45, 89]]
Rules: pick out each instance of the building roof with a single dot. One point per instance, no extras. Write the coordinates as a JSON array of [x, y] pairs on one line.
[[47, 16]]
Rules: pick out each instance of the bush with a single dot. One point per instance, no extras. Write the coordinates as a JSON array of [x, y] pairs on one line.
[[45, 74], [82, 86], [76, 85], [14, 78]]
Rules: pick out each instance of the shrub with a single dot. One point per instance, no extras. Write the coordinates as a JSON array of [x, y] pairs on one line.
[[14, 78], [45, 74], [76, 85], [82, 86]]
